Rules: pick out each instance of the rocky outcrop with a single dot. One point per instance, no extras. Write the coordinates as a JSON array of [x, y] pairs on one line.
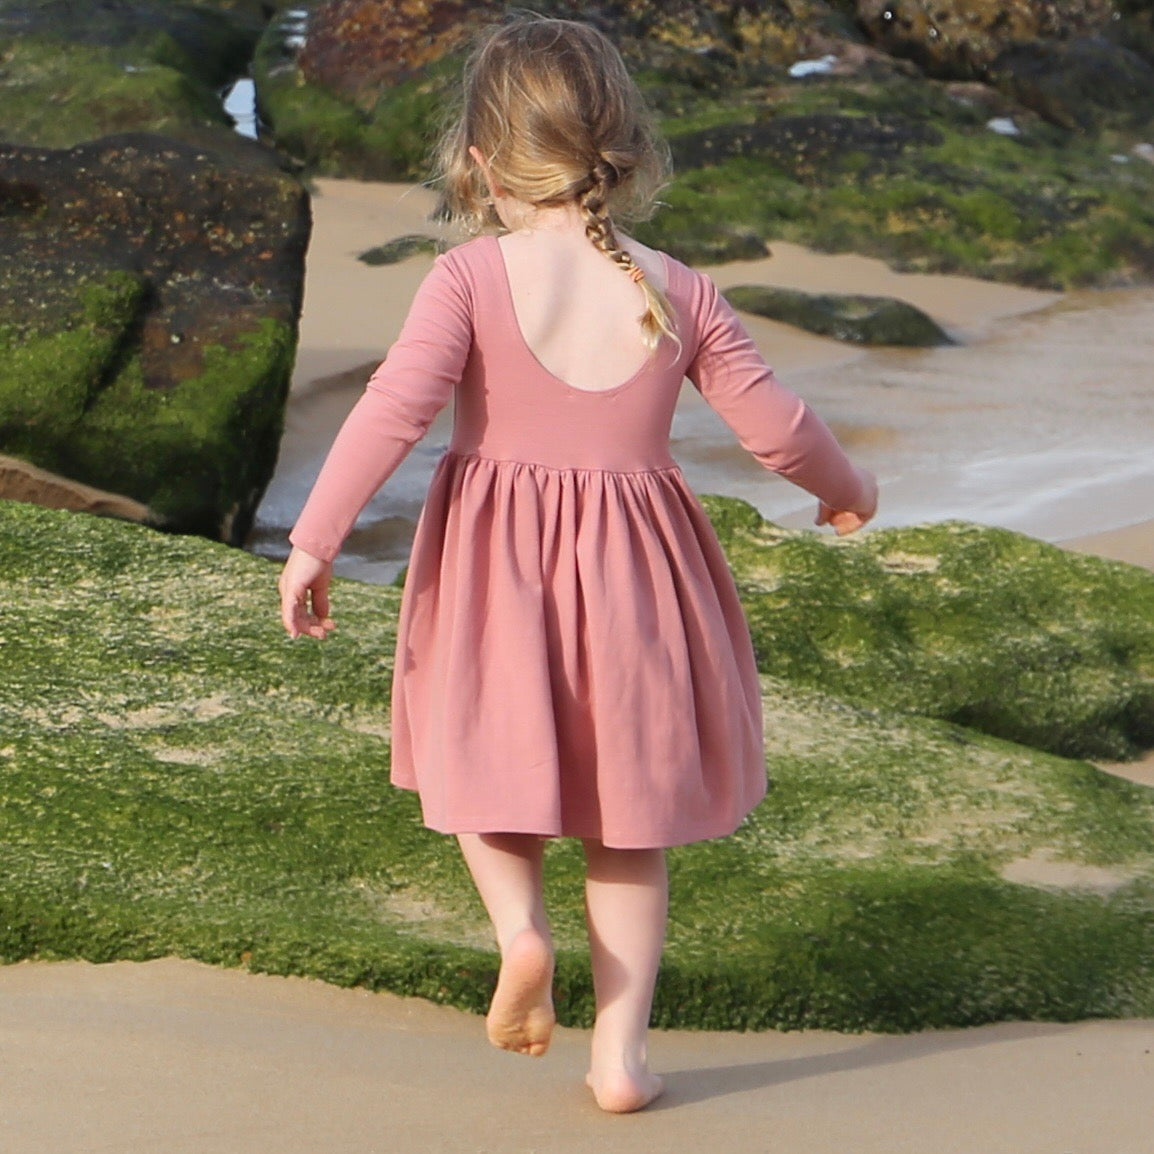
[[861, 320], [356, 49], [1079, 84], [181, 779], [1066, 61], [882, 145], [79, 69], [983, 627], [152, 264], [960, 39], [811, 148], [360, 90], [148, 307]]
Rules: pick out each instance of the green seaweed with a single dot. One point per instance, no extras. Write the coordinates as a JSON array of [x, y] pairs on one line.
[[1046, 208], [387, 140], [866, 320], [234, 405], [57, 94], [48, 379], [73, 399], [983, 627], [177, 777]]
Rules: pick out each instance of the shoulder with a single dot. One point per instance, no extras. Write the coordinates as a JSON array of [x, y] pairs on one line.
[[469, 256], [462, 270], [684, 285], [655, 262]]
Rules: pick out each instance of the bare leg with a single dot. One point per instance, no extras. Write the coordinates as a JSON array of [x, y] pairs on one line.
[[507, 871], [626, 899]]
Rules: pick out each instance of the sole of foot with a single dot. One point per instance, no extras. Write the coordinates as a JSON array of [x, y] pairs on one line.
[[521, 1017], [624, 1093]]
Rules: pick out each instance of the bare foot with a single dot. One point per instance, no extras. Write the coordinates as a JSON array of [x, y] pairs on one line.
[[623, 1092], [521, 1015]]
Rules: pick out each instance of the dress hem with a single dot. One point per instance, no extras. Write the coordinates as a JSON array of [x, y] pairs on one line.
[[670, 841]]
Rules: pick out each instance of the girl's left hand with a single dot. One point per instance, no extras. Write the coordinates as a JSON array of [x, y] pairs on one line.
[[304, 595], [851, 520]]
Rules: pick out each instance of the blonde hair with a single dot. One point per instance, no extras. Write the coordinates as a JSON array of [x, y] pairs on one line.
[[551, 106]]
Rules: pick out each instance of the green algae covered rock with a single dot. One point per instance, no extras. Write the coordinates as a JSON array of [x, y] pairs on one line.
[[983, 627], [151, 263], [148, 316], [76, 71], [400, 248], [863, 320], [177, 777]]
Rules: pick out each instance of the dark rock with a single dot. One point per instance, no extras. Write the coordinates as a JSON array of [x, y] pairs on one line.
[[400, 248], [1136, 28], [805, 145], [1077, 84], [212, 43], [706, 246], [863, 320], [148, 307], [356, 48], [959, 39], [362, 96], [1072, 63]]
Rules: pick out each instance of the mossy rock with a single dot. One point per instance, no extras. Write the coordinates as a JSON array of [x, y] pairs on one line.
[[882, 161], [983, 627], [148, 314], [75, 72], [698, 246], [383, 137], [400, 248], [862, 320], [176, 777], [1046, 208]]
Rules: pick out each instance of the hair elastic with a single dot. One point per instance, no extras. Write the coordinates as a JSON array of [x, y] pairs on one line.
[[636, 274]]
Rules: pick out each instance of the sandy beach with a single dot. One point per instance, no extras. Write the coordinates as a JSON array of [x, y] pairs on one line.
[[179, 1057]]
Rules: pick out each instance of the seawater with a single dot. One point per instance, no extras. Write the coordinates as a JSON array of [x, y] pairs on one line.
[[1043, 424]]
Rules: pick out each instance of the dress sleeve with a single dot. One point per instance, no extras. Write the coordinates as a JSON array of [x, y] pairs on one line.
[[770, 421], [404, 394]]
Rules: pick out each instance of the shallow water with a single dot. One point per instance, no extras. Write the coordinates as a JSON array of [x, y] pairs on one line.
[[1043, 423], [240, 103]]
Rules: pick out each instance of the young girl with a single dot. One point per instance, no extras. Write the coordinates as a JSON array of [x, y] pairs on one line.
[[572, 658]]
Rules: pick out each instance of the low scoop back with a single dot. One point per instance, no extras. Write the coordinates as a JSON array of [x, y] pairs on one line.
[[577, 312], [510, 406]]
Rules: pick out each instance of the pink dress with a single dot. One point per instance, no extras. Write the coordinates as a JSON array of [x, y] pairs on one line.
[[572, 657]]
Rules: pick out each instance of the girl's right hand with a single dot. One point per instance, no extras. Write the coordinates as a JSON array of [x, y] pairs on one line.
[[850, 520], [304, 595]]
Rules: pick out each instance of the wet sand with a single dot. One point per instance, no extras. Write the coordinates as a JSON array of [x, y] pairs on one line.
[[178, 1057]]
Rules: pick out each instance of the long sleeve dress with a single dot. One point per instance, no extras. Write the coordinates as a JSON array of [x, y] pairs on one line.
[[572, 657]]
